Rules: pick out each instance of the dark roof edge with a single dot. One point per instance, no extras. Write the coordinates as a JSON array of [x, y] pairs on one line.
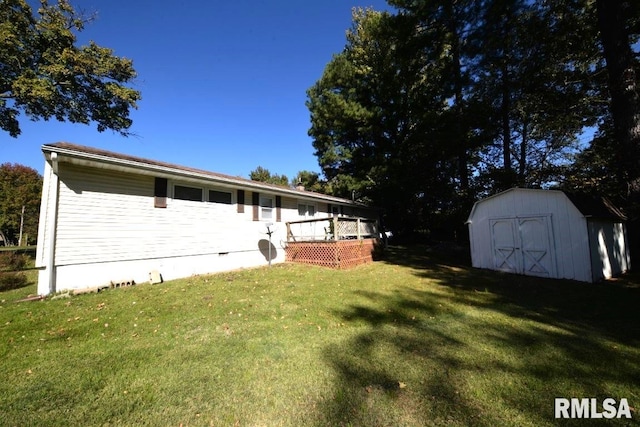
[[96, 154], [592, 206]]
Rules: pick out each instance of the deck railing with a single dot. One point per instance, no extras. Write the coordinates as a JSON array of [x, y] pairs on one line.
[[331, 229]]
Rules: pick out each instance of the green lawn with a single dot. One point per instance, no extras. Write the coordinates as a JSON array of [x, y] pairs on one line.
[[413, 340]]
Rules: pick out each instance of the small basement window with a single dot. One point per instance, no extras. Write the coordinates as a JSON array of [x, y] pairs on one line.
[[216, 196], [182, 192]]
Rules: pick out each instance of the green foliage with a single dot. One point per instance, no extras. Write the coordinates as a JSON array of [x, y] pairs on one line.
[[430, 108], [263, 175], [310, 181], [12, 280], [19, 186], [372, 113], [10, 275], [13, 261], [45, 75]]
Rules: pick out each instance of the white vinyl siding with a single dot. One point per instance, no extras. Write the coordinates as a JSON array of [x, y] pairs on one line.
[[106, 216]]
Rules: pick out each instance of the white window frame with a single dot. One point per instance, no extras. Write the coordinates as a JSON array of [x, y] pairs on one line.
[[264, 209], [180, 184], [307, 205], [221, 190]]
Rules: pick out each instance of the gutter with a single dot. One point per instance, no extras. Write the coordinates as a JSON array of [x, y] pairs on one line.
[[165, 171], [51, 254]]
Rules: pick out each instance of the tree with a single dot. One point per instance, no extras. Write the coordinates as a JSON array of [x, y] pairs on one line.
[[535, 69], [263, 175], [310, 181], [44, 75], [619, 24], [20, 187], [387, 119]]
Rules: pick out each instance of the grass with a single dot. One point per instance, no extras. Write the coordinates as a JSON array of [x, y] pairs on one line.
[[414, 340]]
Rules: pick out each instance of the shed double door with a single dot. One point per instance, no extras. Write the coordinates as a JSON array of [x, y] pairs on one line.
[[523, 245]]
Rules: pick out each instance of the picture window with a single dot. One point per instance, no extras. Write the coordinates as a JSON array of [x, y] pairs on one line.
[[182, 192], [216, 196]]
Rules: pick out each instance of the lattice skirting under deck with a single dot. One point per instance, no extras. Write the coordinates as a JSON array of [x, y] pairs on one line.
[[334, 254]]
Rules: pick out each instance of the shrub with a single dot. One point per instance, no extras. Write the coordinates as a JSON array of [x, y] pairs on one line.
[[13, 261], [12, 280]]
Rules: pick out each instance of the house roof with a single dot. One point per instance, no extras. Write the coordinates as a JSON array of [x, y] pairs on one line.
[[90, 156]]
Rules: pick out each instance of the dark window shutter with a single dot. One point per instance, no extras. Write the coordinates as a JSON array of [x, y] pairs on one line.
[[240, 195], [255, 201], [329, 211], [160, 193], [278, 208]]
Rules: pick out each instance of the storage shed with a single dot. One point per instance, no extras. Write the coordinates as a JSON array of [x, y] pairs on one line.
[[549, 233]]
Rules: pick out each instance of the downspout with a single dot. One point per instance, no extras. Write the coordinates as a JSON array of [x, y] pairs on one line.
[[51, 255]]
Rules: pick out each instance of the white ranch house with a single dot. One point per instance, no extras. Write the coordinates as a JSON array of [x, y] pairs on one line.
[[112, 218]]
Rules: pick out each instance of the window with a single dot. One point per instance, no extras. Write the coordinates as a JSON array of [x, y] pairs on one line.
[[266, 208], [306, 211], [216, 196], [182, 192]]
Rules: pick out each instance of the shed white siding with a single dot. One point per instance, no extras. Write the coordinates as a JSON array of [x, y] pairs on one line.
[[579, 247], [609, 254]]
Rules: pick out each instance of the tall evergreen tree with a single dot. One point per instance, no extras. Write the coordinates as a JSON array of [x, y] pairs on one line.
[[619, 24], [371, 114]]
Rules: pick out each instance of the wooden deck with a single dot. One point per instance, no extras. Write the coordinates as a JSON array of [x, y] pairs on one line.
[[332, 242]]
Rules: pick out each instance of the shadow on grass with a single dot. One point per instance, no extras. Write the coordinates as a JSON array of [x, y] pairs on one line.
[[462, 346], [611, 307]]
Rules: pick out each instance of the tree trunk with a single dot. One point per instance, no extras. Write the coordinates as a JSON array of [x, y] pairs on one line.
[[622, 89], [506, 128], [461, 133], [625, 107], [522, 162]]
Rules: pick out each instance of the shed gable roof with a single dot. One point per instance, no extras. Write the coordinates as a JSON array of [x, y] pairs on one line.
[[589, 206]]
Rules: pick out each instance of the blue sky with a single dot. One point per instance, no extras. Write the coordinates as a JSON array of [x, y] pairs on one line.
[[223, 82]]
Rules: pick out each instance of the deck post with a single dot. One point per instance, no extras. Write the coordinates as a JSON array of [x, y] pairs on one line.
[[358, 228], [335, 228], [289, 235]]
